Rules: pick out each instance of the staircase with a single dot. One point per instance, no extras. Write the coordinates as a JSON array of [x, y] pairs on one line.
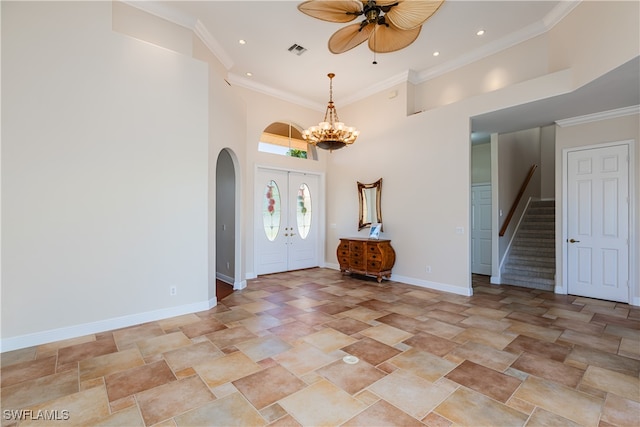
[[531, 261]]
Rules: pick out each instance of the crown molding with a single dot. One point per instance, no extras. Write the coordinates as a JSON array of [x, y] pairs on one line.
[[604, 115], [559, 12], [203, 34], [415, 77], [526, 33], [520, 36], [235, 79]]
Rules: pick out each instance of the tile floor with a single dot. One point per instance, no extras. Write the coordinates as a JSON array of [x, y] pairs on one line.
[[272, 354]]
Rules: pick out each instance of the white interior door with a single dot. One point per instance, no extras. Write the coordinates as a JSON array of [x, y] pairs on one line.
[[287, 221], [481, 229], [598, 222]]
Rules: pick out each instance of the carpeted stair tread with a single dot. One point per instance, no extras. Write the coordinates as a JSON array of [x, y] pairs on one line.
[[531, 259]]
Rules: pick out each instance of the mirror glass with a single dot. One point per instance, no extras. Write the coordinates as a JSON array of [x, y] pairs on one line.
[[369, 200]]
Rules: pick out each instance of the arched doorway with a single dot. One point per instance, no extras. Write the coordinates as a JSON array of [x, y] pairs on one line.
[[227, 265]]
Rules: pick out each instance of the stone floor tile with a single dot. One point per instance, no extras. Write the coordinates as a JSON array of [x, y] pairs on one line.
[[371, 351], [561, 400], [309, 406], [351, 378], [329, 340], [382, 414], [422, 364], [613, 382], [484, 380], [549, 369], [266, 387], [470, 408], [440, 359], [414, 395], [131, 381], [172, 399]]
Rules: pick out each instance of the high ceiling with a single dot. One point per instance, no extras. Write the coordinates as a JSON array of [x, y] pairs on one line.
[[270, 28]]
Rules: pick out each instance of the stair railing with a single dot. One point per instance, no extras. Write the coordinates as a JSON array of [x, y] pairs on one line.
[[517, 200]]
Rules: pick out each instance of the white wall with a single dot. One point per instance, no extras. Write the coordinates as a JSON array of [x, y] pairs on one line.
[[108, 144], [547, 162], [104, 175], [262, 110], [517, 153], [424, 159]]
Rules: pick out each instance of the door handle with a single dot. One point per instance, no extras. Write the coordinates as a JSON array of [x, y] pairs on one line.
[[573, 241]]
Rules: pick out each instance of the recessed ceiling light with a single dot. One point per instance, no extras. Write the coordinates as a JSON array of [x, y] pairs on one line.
[[480, 33], [249, 74], [436, 53], [242, 41]]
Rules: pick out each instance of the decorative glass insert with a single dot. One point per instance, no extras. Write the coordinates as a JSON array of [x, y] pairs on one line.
[[303, 211], [271, 210]]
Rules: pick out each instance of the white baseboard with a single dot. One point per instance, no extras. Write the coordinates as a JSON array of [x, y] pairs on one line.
[[239, 285], [467, 292], [423, 283], [495, 280], [226, 279], [52, 335]]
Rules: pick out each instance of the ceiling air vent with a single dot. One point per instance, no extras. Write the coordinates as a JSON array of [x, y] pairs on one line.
[[297, 49]]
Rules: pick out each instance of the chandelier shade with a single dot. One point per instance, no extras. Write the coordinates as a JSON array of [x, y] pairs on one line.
[[330, 134]]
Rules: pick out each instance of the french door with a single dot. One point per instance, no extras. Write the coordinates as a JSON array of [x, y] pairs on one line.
[[286, 220], [598, 222]]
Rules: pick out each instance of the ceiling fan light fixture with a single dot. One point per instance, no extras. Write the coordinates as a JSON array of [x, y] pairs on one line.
[[330, 134], [388, 25]]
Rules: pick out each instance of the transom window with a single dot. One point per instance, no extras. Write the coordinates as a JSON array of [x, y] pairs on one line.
[[285, 139]]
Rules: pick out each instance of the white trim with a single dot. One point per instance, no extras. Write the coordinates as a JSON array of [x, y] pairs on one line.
[[444, 287], [224, 278], [548, 22], [203, 34], [604, 115], [234, 79], [237, 286], [562, 288], [44, 337]]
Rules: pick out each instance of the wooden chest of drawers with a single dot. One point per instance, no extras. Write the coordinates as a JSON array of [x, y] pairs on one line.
[[366, 256]]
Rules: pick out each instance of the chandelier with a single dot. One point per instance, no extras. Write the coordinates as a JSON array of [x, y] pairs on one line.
[[330, 134]]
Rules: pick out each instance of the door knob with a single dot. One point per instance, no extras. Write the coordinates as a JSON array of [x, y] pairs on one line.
[[574, 241]]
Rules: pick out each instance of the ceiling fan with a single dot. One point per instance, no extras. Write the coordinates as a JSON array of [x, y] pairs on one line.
[[388, 25]]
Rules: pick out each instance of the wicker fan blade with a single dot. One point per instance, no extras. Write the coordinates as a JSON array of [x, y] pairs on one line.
[[349, 37], [409, 14], [382, 2], [389, 39], [332, 10]]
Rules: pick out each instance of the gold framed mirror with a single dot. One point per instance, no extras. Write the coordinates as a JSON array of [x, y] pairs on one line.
[[369, 201]]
